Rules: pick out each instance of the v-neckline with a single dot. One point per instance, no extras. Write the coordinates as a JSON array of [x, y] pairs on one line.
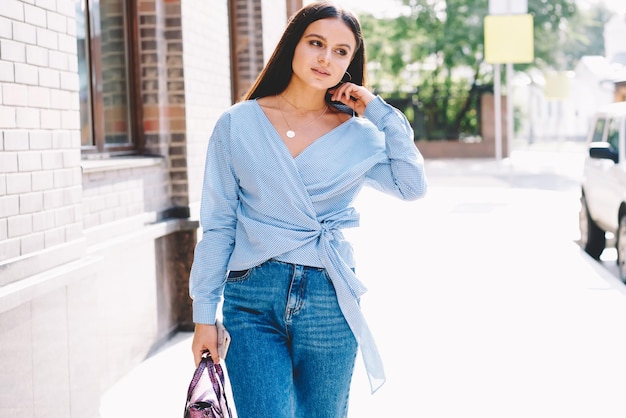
[[284, 145]]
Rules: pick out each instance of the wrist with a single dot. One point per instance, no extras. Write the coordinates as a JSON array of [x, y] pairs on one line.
[[203, 326]]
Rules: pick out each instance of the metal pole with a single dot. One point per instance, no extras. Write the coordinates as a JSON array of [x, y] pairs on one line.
[[510, 122], [497, 104], [531, 117]]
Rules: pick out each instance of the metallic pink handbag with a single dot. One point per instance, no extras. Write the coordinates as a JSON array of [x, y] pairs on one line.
[[206, 396]]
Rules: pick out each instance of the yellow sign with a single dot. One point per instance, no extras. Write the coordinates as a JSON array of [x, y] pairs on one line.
[[509, 39], [558, 85]]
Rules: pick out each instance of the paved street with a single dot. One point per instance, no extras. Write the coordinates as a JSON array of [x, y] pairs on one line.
[[479, 298], [486, 307]]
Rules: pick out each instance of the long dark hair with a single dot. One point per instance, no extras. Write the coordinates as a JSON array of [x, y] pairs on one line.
[[278, 71]]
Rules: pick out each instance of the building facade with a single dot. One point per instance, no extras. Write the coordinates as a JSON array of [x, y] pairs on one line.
[[106, 108]]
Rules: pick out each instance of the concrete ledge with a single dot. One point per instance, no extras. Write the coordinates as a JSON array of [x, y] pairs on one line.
[[119, 163], [113, 233], [15, 269], [40, 269], [25, 290]]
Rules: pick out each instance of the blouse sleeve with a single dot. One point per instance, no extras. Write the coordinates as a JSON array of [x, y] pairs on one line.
[[402, 175], [218, 219]]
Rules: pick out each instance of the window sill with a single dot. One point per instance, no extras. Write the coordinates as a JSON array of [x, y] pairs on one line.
[[119, 163]]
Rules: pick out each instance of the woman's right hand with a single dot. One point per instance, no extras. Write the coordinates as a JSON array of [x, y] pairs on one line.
[[204, 338]]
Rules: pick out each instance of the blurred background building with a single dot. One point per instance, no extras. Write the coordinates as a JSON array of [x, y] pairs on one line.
[[560, 104]]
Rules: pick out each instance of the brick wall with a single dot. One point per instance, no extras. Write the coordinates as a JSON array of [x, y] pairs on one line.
[[119, 192], [163, 89], [247, 32], [46, 292], [40, 178]]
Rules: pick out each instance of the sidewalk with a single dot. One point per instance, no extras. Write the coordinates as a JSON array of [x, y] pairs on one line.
[[480, 300], [157, 387]]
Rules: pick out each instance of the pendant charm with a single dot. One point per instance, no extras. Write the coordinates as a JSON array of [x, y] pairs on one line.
[[290, 134]]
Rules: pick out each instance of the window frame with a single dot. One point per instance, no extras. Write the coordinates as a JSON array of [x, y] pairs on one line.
[[99, 148]]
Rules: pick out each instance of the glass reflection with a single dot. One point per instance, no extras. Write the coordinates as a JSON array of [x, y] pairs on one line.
[[103, 71], [84, 92]]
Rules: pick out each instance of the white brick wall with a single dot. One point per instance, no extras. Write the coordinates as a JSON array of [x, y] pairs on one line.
[[274, 23], [113, 195], [207, 93], [40, 175]]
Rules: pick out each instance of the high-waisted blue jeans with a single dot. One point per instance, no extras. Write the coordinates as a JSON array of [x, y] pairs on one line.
[[292, 352]]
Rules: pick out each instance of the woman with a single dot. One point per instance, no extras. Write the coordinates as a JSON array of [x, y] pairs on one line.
[[283, 168]]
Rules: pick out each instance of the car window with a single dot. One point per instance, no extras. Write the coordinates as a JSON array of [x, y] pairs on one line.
[[612, 136], [598, 130]]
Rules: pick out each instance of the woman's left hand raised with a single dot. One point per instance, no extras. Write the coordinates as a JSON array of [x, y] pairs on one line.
[[353, 96]]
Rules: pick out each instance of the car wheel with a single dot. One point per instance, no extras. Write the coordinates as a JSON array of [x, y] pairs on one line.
[[592, 238], [620, 245]]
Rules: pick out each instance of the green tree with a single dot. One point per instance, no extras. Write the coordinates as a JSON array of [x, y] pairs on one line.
[[584, 34], [436, 50]]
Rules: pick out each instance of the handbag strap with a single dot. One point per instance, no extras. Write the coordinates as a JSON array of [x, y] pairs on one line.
[[219, 387], [196, 378], [206, 363]]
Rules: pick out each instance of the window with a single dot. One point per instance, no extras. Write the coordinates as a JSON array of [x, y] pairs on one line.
[[598, 130], [612, 136], [104, 68]]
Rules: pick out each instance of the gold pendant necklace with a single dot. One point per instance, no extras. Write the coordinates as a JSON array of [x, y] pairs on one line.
[[290, 132]]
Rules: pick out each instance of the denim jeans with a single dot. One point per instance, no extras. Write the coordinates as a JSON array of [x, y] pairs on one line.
[[292, 352]]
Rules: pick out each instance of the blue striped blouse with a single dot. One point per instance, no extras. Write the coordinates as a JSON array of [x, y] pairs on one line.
[[258, 203]]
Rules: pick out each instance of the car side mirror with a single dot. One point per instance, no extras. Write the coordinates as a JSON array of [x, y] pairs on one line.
[[603, 150]]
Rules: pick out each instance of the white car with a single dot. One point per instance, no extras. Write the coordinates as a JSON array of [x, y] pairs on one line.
[[603, 198]]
